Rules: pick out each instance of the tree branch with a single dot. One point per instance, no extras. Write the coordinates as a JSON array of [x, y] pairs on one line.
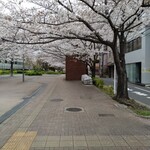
[[57, 24], [99, 13], [64, 6], [94, 31], [133, 26], [131, 15], [33, 32]]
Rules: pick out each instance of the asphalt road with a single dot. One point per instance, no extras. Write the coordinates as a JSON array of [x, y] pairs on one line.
[[139, 93]]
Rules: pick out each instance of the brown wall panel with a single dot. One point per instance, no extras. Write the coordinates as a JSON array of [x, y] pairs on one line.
[[74, 68]]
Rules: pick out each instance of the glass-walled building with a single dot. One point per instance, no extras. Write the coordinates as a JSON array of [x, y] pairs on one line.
[[5, 64], [138, 58], [134, 72]]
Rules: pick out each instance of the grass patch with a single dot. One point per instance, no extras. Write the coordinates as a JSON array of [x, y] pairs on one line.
[[142, 112], [137, 108]]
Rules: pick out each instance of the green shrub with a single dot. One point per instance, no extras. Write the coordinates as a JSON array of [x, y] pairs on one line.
[[33, 73], [6, 71], [3, 72], [109, 90], [98, 82], [20, 71], [53, 72], [15, 71]]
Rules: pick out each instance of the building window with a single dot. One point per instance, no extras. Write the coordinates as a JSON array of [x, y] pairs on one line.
[[130, 46], [139, 41], [134, 45]]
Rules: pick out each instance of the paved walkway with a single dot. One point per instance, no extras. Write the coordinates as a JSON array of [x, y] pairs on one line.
[[13, 90], [45, 124]]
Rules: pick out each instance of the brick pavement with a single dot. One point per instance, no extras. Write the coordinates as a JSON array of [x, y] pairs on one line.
[[44, 123]]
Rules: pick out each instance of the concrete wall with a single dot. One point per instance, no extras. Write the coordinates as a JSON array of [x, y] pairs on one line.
[[142, 55], [146, 68]]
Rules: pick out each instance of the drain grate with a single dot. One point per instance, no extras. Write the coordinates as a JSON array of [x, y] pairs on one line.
[[56, 100], [74, 109], [106, 115]]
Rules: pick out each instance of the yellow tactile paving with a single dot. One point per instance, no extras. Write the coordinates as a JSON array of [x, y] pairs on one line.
[[20, 141]]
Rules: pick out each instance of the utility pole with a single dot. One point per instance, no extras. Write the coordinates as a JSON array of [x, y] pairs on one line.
[[115, 80], [11, 67], [23, 69], [102, 70], [115, 73]]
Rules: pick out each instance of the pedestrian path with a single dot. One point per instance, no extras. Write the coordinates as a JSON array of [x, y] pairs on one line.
[[68, 115], [25, 140], [13, 91]]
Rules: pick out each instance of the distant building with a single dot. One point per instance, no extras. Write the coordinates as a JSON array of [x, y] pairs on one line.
[[5, 64], [110, 64]]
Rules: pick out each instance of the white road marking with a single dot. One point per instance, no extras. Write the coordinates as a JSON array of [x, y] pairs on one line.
[[139, 93], [148, 97], [130, 89], [142, 89]]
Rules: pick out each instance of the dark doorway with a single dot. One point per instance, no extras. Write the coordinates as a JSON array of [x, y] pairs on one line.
[[138, 72]]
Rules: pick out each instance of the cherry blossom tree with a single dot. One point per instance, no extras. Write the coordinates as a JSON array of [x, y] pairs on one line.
[[108, 22]]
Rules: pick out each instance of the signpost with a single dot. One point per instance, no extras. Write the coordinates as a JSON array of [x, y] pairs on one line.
[[146, 3]]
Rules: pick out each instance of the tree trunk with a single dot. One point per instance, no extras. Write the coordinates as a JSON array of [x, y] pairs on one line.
[[92, 66], [119, 60], [93, 70], [122, 92], [11, 67]]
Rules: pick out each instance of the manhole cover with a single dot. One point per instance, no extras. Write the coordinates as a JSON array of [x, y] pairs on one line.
[[56, 100], [74, 109], [106, 115]]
